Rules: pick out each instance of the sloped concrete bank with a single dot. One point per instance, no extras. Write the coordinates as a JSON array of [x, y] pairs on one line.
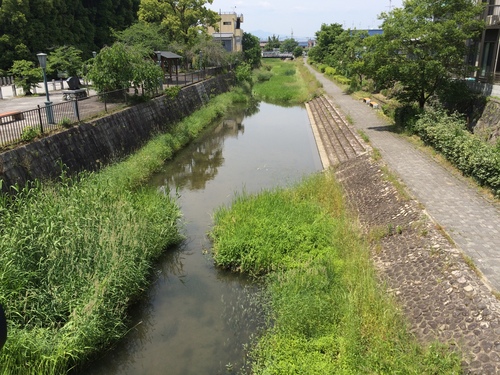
[[91, 145]]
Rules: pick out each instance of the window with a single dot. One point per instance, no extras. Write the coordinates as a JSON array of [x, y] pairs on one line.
[[227, 23]]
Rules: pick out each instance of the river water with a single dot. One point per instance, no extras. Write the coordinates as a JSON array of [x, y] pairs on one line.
[[195, 318]]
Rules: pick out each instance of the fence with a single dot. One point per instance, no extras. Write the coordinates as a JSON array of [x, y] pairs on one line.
[[21, 126]]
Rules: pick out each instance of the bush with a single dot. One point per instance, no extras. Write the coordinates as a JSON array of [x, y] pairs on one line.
[[65, 122], [342, 80], [243, 73], [329, 71], [29, 133], [172, 92], [473, 157], [264, 76], [406, 116]]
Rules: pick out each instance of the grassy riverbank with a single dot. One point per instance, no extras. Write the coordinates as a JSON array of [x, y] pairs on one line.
[[329, 314], [74, 253], [284, 82], [326, 310]]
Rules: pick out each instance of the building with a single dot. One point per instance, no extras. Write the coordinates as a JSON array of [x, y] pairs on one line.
[[229, 31], [487, 62]]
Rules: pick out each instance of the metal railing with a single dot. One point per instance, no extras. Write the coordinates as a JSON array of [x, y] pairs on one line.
[[23, 126]]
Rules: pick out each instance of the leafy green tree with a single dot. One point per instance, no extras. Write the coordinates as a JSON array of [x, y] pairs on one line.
[[298, 51], [251, 49], [272, 43], [211, 52], [117, 67], [31, 26], [423, 45], [288, 45], [325, 38], [145, 74], [143, 36], [347, 54], [26, 75], [182, 20], [112, 68], [65, 59]]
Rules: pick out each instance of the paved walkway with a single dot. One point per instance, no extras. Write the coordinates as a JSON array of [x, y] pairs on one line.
[[469, 218]]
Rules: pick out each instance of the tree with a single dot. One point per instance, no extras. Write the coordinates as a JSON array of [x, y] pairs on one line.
[[26, 75], [272, 43], [298, 51], [182, 20], [143, 36], [65, 59], [346, 54], [116, 67], [288, 45], [31, 26], [423, 45], [325, 38], [251, 49], [212, 52]]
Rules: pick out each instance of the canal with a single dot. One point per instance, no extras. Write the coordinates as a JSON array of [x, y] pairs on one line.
[[195, 318]]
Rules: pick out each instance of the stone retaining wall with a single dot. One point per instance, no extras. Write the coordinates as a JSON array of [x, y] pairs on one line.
[[91, 145], [488, 126]]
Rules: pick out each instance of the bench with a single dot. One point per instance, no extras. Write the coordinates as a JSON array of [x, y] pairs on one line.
[[374, 105], [15, 116], [366, 100]]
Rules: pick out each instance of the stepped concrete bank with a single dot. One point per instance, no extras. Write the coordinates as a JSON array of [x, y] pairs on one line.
[[91, 145]]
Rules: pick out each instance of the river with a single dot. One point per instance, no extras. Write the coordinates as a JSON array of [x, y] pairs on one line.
[[195, 318]]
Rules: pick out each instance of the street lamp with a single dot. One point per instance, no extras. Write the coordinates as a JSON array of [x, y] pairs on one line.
[[158, 56], [42, 59]]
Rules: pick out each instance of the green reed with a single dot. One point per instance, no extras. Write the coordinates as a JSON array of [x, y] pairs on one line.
[[328, 313]]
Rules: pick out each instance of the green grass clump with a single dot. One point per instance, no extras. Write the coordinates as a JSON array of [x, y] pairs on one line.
[[74, 253], [285, 83], [329, 314]]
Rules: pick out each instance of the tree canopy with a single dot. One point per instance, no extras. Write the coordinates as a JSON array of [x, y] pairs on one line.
[[28, 27], [423, 45], [251, 49], [182, 20]]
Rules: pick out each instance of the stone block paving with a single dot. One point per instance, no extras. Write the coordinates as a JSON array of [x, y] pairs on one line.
[[443, 298]]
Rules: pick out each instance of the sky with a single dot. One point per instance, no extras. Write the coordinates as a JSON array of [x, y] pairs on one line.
[[304, 18]]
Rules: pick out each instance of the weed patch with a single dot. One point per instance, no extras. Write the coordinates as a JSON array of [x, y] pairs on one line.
[[329, 314]]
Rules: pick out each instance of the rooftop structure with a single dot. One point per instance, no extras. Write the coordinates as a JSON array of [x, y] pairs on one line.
[[229, 31]]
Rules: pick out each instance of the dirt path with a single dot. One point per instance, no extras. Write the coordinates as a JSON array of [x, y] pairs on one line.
[[441, 296]]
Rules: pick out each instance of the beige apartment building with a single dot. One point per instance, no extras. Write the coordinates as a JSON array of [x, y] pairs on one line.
[[229, 31]]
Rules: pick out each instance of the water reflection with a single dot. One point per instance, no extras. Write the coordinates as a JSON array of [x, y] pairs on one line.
[[201, 164], [196, 319]]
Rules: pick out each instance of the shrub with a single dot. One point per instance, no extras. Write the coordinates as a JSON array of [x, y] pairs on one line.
[[473, 157], [243, 73], [172, 92], [329, 71], [65, 122], [29, 133], [264, 76]]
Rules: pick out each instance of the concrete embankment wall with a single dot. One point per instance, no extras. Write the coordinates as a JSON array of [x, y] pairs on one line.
[[91, 145]]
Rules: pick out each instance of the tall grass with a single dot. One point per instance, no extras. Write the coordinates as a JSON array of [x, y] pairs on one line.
[[327, 312], [286, 82], [74, 253]]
